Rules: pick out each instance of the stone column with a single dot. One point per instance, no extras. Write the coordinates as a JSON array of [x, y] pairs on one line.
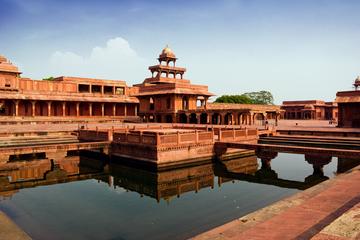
[[33, 103], [208, 118], [90, 109], [136, 110], [114, 110], [77, 109], [222, 117], [218, 120], [198, 118], [102, 109], [16, 102], [125, 110], [64, 109], [49, 108]]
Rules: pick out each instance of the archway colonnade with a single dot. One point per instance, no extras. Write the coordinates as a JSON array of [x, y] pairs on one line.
[[215, 117], [35, 108]]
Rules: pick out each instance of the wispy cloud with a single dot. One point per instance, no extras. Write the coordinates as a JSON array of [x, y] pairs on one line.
[[115, 60]]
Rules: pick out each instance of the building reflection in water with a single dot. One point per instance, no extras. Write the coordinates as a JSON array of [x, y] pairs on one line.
[[16, 175]]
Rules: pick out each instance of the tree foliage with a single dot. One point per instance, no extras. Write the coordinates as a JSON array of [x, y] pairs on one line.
[[49, 78], [262, 97]]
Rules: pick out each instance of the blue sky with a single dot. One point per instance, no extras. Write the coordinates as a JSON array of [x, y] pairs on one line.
[[297, 49]]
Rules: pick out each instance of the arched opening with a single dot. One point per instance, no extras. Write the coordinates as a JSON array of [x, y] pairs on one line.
[[151, 104], [203, 118], [96, 109], [185, 103], [193, 118], [7, 108], [169, 119], [259, 119], [41, 108], [216, 118], [158, 118], [84, 109], [183, 118], [228, 119]]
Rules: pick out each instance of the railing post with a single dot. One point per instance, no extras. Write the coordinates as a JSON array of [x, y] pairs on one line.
[[158, 139], [220, 137], [212, 135], [178, 138], [110, 135]]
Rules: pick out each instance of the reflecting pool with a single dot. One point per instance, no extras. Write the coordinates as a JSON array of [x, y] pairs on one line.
[[84, 198]]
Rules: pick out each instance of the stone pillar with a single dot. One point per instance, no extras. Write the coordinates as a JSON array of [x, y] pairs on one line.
[[49, 108], [102, 109], [77, 109], [33, 103], [232, 119], [125, 110], [16, 107], [136, 110], [90, 109], [198, 118], [222, 117], [114, 110], [251, 120], [218, 120], [208, 118], [64, 109]]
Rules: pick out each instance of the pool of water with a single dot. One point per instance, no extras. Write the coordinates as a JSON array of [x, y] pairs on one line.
[[83, 198]]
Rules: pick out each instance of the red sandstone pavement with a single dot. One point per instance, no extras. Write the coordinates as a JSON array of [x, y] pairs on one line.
[[309, 214]]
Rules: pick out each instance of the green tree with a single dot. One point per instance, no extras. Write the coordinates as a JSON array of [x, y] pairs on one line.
[[234, 99], [262, 97], [49, 78]]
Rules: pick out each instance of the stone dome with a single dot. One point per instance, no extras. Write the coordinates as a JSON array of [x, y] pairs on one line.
[[3, 59], [357, 80], [167, 52]]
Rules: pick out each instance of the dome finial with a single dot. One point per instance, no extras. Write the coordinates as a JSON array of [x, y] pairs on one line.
[[167, 52]]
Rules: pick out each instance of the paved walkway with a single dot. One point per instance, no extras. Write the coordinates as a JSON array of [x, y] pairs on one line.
[[330, 210], [9, 230]]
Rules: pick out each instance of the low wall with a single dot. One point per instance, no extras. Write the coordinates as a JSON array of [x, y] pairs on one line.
[[169, 146], [337, 132]]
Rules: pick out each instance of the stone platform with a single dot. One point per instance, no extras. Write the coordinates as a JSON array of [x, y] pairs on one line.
[[171, 145], [330, 210]]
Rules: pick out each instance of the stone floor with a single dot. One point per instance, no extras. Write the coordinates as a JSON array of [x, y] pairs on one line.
[[330, 210]]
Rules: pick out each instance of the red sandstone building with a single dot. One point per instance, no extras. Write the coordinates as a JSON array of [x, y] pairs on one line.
[[349, 106], [310, 109], [167, 97], [62, 96], [164, 97]]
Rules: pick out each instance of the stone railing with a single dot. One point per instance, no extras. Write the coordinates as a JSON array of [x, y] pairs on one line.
[[168, 139], [237, 134], [95, 135]]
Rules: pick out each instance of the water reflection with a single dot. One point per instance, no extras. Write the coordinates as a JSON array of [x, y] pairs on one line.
[[16, 175], [120, 199]]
